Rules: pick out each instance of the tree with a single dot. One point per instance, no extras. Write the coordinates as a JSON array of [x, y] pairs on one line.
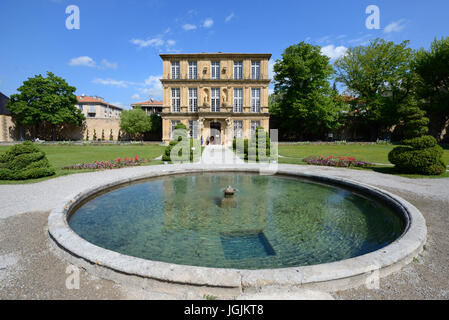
[[111, 136], [380, 78], [432, 68], [303, 102], [135, 122], [414, 121], [45, 101]]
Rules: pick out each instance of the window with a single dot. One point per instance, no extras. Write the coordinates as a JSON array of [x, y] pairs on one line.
[[255, 70], [254, 126], [238, 70], [215, 100], [91, 109], [193, 129], [255, 100], [193, 100], [193, 74], [175, 100], [238, 100], [238, 129], [215, 70], [80, 107], [175, 70], [172, 129]]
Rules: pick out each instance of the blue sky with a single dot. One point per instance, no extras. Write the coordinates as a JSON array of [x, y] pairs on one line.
[[115, 53]]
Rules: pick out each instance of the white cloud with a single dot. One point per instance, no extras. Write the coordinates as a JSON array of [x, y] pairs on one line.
[[230, 17], [150, 86], [334, 52], [155, 42], [108, 65], [83, 61], [208, 23], [270, 69], [86, 61], [188, 27], [153, 87], [171, 43], [395, 26], [111, 82]]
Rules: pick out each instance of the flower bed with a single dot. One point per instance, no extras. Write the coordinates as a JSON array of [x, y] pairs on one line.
[[112, 164], [333, 161]]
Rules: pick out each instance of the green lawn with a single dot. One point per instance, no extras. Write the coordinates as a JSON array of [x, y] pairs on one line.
[[64, 155], [374, 153]]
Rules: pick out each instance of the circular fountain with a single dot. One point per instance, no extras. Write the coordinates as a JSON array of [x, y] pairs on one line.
[[289, 229]]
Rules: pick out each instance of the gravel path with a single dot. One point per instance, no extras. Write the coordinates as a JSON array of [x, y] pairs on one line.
[[29, 267], [216, 154]]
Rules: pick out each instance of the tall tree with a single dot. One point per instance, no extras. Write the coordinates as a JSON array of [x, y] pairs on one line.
[[303, 100], [432, 68], [135, 122], [45, 101], [379, 76]]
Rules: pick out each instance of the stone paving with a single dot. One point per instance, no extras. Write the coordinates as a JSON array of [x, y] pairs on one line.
[[217, 154]]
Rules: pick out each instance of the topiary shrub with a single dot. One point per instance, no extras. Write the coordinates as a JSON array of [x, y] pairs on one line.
[[24, 161], [252, 144], [420, 155], [194, 156]]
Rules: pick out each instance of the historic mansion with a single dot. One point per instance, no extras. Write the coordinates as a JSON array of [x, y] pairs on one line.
[[219, 95]]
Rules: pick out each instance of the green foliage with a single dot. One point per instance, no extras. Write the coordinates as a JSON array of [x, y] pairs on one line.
[[111, 136], [135, 122], [251, 147], [303, 100], [179, 136], [45, 100], [95, 135], [194, 149], [419, 156], [156, 122], [379, 76], [87, 135], [422, 142], [102, 135], [119, 137], [414, 121], [24, 161], [432, 69]]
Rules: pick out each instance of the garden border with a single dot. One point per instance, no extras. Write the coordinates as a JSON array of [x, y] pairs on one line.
[[333, 276]]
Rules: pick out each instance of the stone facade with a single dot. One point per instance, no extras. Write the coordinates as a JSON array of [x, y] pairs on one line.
[[96, 107], [7, 129], [219, 95]]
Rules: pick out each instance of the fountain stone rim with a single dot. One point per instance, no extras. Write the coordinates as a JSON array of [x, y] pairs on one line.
[[332, 276]]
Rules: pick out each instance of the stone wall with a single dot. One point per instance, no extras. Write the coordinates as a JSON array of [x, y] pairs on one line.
[[9, 132], [7, 129]]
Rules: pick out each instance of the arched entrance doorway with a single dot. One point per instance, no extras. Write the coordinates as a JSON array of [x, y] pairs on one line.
[[215, 133]]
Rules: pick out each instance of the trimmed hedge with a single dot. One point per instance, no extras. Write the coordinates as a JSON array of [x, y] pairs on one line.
[[194, 143], [24, 161], [419, 156], [252, 144]]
